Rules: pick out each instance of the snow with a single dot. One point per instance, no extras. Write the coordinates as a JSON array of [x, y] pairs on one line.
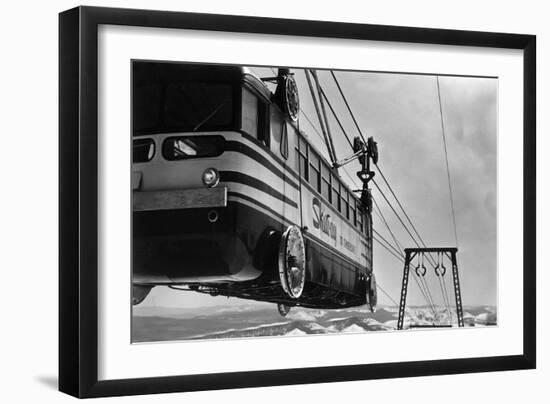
[[485, 318], [316, 327], [392, 324], [372, 321], [295, 332], [353, 328]]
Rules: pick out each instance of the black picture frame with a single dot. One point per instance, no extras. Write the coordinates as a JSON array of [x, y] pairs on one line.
[[78, 201]]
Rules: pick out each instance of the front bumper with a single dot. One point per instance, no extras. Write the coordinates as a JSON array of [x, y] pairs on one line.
[[175, 240], [180, 199]]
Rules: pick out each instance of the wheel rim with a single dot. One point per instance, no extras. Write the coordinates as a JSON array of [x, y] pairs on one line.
[[292, 262]]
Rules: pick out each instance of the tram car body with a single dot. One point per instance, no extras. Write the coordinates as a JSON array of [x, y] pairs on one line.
[[230, 198]]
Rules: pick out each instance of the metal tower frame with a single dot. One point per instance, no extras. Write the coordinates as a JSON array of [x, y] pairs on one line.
[[410, 253]]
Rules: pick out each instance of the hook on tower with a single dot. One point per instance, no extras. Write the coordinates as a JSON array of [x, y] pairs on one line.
[[420, 269], [440, 269]]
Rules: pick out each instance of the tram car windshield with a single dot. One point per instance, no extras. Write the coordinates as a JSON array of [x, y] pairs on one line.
[[231, 198]]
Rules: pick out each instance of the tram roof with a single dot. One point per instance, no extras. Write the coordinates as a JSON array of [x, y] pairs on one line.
[[153, 71], [250, 77]]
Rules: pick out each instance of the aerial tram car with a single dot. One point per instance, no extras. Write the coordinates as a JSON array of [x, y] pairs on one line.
[[230, 198]]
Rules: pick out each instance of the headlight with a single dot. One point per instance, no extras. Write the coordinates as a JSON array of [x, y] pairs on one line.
[[210, 177]]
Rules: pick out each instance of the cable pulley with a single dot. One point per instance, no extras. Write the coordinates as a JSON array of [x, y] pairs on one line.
[[366, 153], [420, 269], [440, 269]]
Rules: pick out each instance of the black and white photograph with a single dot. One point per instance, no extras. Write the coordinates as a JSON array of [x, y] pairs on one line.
[[273, 201]]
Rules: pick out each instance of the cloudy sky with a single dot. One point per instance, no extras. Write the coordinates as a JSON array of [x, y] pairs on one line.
[[401, 111]]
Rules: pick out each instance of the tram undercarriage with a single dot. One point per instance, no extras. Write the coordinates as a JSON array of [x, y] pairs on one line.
[[314, 296]]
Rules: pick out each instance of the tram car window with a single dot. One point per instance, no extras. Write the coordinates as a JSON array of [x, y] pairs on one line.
[[360, 219], [345, 203], [341, 198], [249, 113], [263, 123], [143, 150], [353, 210], [302, 158], [335, 192], [325, 182], [186, 147], [314, 170]]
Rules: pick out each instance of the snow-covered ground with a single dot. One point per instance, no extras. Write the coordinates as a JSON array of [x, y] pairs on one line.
[[253, 322]]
